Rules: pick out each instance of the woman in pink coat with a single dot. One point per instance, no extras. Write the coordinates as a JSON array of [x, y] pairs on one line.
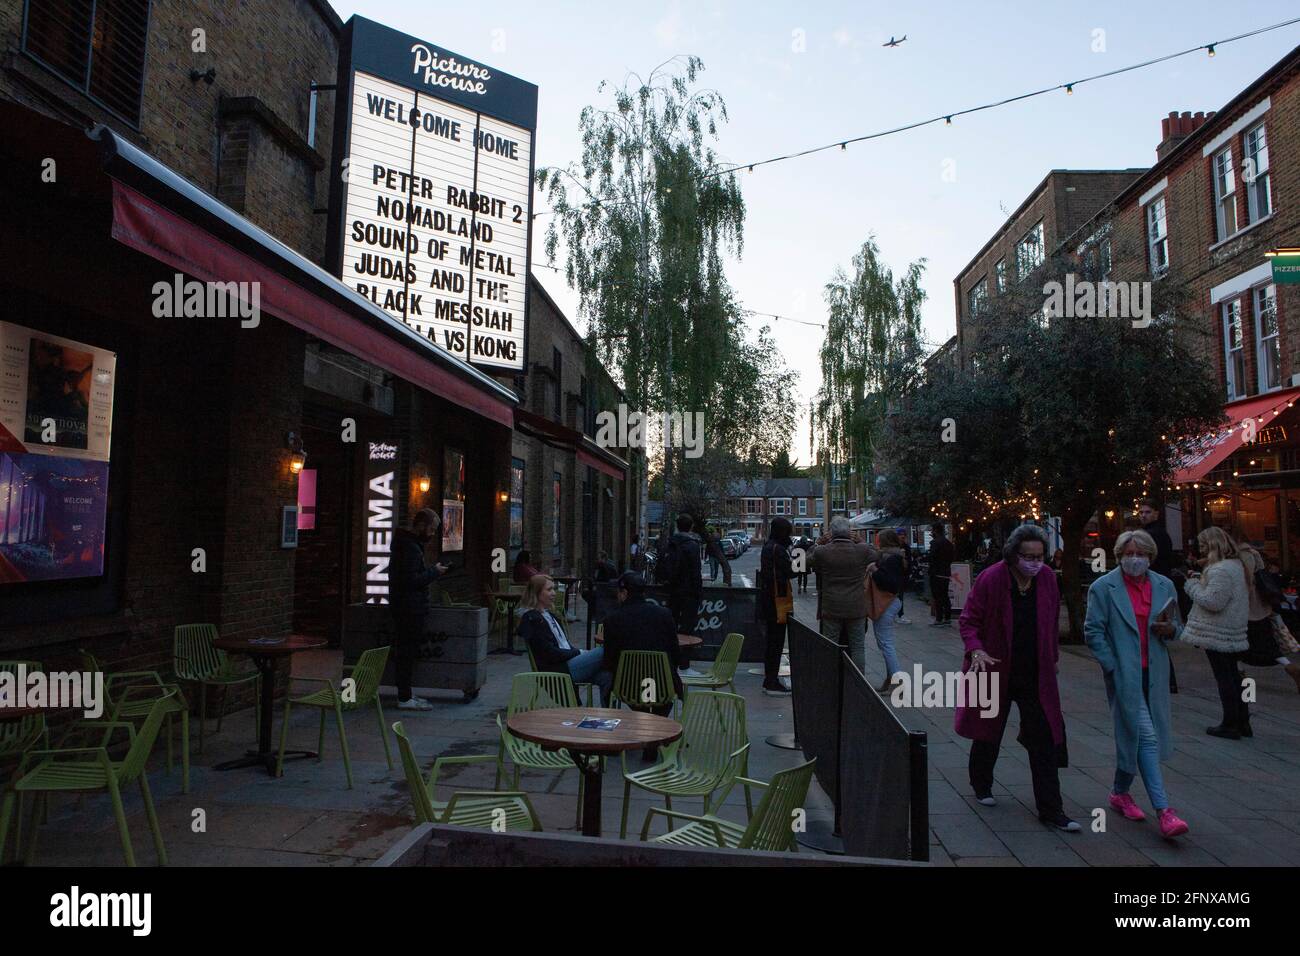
[[1010, 628]]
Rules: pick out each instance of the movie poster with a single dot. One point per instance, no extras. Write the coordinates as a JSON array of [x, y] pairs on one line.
[[53, 517], [56, 395], [453, 501]]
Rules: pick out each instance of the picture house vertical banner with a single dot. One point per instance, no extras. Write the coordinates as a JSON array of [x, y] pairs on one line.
[[433, 186], [381, 510]]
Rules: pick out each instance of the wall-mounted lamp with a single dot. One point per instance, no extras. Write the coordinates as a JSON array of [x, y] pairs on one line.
[[297, 454], [421, 478], [503, 496]]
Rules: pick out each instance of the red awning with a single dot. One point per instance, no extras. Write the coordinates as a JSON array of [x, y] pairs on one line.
[[560, 436], [1216, 449], [587, 458], [156, 231]]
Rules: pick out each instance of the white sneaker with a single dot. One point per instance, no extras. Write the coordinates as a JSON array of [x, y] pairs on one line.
[[415, 703], [902, 620]]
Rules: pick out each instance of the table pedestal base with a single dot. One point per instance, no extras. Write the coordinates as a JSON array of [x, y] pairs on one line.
[[821, 835], [267, 760], [590, 768], [784, 741]]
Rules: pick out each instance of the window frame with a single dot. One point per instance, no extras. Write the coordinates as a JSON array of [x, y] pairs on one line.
[[1039, 234], [1253, 215], [1217, 181], [1000, 275], [83, 88], [1235, 385], [1257, 293], [1157, 241], [977, 297]]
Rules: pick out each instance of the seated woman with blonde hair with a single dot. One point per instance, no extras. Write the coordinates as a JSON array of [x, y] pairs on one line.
[[547, 639]]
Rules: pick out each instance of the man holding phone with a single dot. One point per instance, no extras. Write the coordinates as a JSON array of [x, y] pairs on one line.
[[411, 578]]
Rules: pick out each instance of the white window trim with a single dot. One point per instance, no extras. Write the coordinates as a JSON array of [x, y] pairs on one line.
[[1233, 172], [1153, 192], [1151, 240], [1246, 119], [1236, 390], [1261, 380], [1239, 284]]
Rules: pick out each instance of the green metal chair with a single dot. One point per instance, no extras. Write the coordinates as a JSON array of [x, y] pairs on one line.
[[723, 671], [87, 769], [771, 827], [537, 690], [532, 666], [195, 659], [643, 681], [17, 736], [711, 753], [365, 673], [467, 808], [131, 696]]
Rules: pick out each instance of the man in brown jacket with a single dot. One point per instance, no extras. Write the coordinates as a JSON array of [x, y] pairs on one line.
[[841, 565]]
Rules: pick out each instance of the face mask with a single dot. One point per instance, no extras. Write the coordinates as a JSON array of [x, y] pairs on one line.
[[1135, 566], [1028, 567]]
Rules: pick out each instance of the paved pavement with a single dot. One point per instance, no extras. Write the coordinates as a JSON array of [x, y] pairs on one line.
[[1241, 799]]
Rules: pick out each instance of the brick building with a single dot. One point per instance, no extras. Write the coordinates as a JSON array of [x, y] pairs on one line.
[[1055, 209], [204, 170], [1224, 192], [570, 498], [753, 504]]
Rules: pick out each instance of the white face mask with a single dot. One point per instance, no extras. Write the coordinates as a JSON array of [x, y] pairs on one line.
[[1135, 566]]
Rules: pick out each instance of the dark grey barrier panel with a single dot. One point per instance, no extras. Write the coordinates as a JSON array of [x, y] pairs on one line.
[[879, 802], [815, 664], [434, 845]]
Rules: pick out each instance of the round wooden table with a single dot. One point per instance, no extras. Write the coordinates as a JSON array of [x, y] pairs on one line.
[[265, 652], [512, 599], [556, 728]]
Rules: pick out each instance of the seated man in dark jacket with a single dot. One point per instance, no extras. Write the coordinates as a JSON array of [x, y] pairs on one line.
[[548, 639], [638, 625]]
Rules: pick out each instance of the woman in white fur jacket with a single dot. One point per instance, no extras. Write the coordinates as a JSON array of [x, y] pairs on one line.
[[1217, 624]]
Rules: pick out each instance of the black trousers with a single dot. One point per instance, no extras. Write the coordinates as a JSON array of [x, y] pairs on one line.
[[1036, 735], [1236, 712], [772, 652], [685, 608], [410, 628], [939, 596]]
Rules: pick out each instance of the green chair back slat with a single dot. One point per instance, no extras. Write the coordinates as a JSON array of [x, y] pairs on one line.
[[194, 655], [713, 728], [541, 690], [134, 763], [728, 659], [772, 827], [367, 673], [420, 798], [17, 735], [634, 669]]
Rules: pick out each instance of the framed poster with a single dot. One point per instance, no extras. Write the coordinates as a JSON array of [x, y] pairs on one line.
[[434, 178], [289, 526], [959, 584], [56, 395], [516, 504], [453, 500], [53, 517]]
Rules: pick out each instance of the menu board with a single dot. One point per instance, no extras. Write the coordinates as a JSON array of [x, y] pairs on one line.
[[436, 193]]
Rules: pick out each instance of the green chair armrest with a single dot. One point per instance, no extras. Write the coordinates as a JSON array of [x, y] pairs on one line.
[[678, 815], [750, 782], [466, 759]]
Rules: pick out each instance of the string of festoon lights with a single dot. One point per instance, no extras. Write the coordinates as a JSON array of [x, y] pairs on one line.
[[947, 117], [1257, 419]]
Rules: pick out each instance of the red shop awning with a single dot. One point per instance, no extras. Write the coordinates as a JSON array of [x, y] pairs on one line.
[[587, 458], [178, 224], [1216, 448], [586, 451]]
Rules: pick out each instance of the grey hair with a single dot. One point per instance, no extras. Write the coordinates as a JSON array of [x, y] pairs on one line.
[[1026, 532], [840, 525], [1146, 544]]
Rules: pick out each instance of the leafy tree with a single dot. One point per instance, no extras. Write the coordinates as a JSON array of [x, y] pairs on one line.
[[647, 216], [1055, 414]]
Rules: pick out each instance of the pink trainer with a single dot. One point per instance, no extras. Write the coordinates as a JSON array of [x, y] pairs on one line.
[[1171, 825], [1125, 805]]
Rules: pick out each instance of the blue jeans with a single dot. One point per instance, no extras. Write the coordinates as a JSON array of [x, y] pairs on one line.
[[1148, 761], [589, 668], [851, 634], [884, 629]]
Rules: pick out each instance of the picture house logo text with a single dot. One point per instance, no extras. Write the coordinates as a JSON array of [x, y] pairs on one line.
[[448, 71]]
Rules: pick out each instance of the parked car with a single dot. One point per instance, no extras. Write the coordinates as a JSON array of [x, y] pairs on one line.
[[740, 538], [730, 549]]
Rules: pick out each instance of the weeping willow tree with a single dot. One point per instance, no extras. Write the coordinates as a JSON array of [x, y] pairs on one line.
[[871, 356], [647, 216]]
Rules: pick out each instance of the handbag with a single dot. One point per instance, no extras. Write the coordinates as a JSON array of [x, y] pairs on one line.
[[784, 606], [878, 599], [1286, 642], [1263, 650]]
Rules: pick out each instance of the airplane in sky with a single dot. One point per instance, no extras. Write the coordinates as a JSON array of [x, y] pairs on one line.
[[893, 42]]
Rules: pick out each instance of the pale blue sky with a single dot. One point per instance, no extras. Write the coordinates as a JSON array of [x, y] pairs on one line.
[[808, 215]]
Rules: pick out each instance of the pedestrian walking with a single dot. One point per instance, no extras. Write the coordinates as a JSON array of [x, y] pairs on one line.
[[1010, 626], [1262, 632], [942, 554], [713, 548], [410, 600], [889, 572], [679, 569], [841, 566], [1217, 624], [907, 566], [806, 545], [1132, 612], [775, 602]]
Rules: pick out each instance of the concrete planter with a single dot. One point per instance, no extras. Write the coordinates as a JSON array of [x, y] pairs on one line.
[[452, 653]]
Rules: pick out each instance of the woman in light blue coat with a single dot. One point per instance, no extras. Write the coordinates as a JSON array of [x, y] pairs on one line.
[[1126, 627]]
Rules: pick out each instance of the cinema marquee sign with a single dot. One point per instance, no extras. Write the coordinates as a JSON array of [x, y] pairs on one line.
[[432, 192]]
